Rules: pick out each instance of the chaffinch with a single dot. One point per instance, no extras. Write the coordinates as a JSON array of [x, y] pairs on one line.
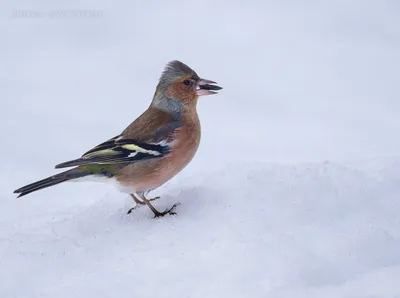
[[153, 148]]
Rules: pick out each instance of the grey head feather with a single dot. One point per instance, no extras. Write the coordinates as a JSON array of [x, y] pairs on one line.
[[174, 70]]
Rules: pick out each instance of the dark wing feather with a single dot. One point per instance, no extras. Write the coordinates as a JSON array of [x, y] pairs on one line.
[[119, 150], [103, 145]]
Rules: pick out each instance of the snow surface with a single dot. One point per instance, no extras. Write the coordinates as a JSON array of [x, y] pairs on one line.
[[295, 191]]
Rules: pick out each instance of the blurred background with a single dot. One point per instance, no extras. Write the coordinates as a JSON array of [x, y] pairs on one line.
[[309, 81]]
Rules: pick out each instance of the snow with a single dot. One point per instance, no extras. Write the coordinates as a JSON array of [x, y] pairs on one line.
[[310, 230], [295, 190]]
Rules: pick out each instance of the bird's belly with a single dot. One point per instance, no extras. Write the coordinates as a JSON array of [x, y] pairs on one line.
[[106, 180], [150, 174]]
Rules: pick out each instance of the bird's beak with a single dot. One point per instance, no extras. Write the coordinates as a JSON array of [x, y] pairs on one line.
[[206, 87]]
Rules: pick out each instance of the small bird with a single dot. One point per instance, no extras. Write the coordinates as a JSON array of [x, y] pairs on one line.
[[152, 149]]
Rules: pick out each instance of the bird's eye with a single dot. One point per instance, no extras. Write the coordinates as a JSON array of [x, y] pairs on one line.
[[186, 82]]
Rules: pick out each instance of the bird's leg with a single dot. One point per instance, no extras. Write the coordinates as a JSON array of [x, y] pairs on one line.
[[155, 211], [139, 202]]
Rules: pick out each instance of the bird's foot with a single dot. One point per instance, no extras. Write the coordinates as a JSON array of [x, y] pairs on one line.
[[153, 199], [140, 204], [169, 211], [133, 208]]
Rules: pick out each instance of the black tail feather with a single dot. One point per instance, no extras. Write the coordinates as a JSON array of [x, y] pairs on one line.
[[50, 181], [72, 163]]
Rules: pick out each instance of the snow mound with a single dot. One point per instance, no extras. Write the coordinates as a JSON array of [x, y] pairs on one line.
[[245, 230]]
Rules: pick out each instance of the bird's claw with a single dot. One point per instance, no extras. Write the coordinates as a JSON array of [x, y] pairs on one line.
[[133, 208], [169, 211], [153, 199], [140, 204]]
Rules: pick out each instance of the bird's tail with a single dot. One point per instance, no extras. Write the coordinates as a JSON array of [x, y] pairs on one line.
[[53, 180]]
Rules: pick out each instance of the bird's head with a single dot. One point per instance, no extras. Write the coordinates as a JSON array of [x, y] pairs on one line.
[[180, 83]]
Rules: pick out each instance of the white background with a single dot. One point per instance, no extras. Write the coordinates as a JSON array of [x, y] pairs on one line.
[[294, 191]]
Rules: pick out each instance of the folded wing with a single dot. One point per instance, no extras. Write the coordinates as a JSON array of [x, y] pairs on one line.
[[119, 150]]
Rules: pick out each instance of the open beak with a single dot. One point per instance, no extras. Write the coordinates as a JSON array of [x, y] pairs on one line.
[[206, 87]]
